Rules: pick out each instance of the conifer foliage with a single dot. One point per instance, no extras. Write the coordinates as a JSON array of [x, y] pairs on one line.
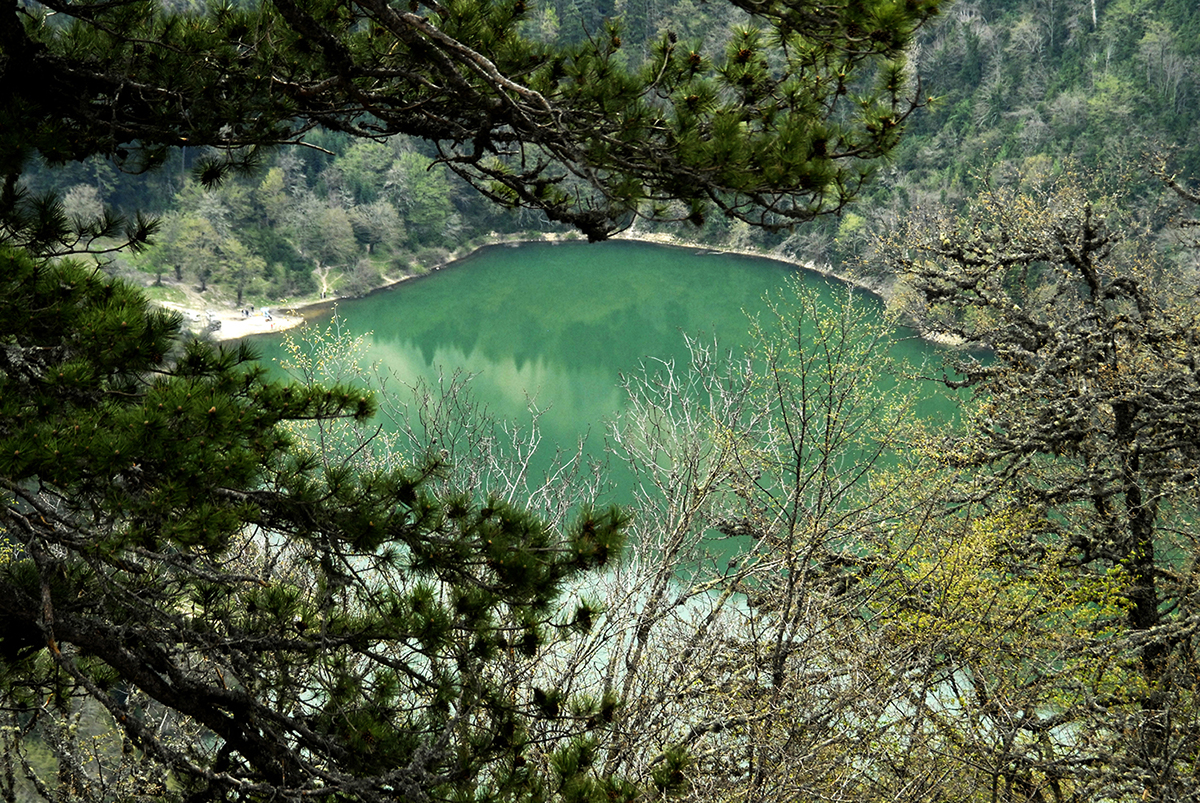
[[258, 623], [783, 125]]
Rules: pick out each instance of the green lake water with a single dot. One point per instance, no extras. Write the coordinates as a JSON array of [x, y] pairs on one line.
[[558, 323]]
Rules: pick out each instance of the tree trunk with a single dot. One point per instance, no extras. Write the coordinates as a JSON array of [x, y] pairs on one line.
[[1141, 510]]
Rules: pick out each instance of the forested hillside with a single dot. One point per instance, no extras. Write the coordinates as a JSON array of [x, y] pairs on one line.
[[218, 586], [1096, 82], [1014, 88], [1033, 89]]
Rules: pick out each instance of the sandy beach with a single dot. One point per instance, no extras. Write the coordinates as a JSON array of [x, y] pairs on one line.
[[234, 324]]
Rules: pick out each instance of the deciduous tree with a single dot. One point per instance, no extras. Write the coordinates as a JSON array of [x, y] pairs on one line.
[[748, 624], [1087, 431]]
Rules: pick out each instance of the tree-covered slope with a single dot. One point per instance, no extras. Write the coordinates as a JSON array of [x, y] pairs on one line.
[[1016, 87]]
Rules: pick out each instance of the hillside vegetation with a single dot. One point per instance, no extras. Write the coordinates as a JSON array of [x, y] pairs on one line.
[[1015, 89], [219, 586]]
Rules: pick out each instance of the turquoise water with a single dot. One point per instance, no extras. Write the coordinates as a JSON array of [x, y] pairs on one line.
[[556, 325]]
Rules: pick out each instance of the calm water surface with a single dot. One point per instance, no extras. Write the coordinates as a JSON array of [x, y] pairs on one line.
[[558, 324]]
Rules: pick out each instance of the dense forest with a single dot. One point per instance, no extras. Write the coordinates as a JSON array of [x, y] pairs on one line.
[[218, 586], [1102, 89]]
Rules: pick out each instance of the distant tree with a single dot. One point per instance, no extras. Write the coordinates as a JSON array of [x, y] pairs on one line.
[[378, 224], [364, 165], [82, 202], [328, 238], [240, 269], [271, 196], [421, 195], [196, 247]]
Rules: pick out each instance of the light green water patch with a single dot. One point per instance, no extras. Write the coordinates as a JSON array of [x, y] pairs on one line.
[[558, 324]]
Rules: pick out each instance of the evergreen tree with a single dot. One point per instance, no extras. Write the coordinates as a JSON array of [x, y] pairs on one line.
[[257, 623], [781, 126]]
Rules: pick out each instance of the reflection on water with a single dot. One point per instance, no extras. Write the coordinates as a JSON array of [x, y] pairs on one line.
[[558, 324]]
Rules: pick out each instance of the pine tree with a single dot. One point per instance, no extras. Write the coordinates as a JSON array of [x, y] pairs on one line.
[[255, 622], [782, 126]]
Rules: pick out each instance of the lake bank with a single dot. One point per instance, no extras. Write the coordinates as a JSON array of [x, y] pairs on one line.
[[235, 325]]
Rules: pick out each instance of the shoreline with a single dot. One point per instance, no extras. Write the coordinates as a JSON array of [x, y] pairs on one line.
[[235, 325]]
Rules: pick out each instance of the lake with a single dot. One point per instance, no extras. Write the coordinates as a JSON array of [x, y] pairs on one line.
[[557, 324]]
